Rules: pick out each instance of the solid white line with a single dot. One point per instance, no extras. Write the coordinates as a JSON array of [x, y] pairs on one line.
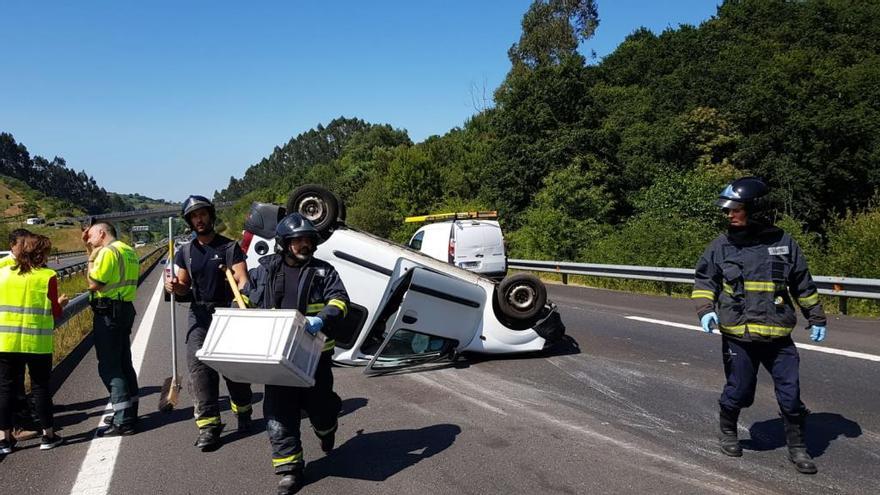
[[809, 347], [96, 471]]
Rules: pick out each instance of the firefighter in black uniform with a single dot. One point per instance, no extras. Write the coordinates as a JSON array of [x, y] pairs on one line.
[[751, 275], [198, 266], [293, 279]]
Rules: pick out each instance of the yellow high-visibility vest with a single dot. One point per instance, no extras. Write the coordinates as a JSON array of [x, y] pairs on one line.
[[26, 321], [117, 267]]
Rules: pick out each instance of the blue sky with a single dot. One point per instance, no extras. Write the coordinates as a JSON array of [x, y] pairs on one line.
[[172, 98]]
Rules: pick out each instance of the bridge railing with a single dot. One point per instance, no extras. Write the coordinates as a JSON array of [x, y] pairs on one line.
[[842, 287]]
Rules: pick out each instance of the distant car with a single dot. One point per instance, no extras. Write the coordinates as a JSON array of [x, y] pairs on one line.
[[35, 221], [472, 244], [140, 244], [408, 308]]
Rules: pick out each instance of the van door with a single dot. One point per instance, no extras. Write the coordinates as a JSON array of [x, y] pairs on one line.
[[425, 316], [494, 256], [482, 247], [469, 249]]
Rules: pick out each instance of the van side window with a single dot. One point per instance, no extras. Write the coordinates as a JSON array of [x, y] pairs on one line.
[[416, 242]]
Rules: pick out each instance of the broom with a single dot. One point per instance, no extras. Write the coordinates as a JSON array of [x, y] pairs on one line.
[[171, 387]]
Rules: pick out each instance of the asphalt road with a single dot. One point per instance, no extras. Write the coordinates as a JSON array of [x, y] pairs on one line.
[[630, 408], [65, 262]]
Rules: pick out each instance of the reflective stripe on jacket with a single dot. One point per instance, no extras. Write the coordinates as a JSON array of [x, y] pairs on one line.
[[752, 281], [117, 267], [321, 292], [26, 321]]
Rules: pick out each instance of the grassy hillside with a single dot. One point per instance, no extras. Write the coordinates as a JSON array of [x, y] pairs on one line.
[[19, 201]]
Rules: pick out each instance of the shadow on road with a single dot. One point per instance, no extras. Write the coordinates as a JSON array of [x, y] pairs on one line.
[[566, 346], [382, 454], [822, 429]]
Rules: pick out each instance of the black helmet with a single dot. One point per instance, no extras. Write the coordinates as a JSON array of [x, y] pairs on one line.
[[291, 227], [194, 203], [747, 192]]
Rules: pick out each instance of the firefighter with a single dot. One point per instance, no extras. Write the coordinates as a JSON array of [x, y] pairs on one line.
[[293, 279], [113, 274], [198, 265], [746, 284]]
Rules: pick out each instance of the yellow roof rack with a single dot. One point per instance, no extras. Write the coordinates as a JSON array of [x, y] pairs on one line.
[[463, 215]]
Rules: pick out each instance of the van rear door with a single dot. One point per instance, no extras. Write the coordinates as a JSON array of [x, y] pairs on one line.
[[479, 247]]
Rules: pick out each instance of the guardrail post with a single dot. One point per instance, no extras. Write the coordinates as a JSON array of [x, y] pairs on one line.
[[565, 279], [842, 304]]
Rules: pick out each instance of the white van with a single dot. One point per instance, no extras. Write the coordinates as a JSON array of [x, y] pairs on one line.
[[475, 245]]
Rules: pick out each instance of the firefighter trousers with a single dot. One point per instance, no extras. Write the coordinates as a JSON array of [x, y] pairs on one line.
[[282, 406], [741, 361], [205, 381], [112, 333]]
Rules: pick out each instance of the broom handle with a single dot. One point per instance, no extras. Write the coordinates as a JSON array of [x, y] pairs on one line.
[[173, 312], [235, 291]]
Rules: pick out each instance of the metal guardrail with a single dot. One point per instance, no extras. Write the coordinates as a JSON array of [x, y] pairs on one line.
[[81, 301], [67, 254], [842, 287]]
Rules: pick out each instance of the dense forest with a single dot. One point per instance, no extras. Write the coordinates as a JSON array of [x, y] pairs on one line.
[[619, 161]]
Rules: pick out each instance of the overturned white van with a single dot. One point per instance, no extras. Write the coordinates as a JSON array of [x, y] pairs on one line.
[[406, 307]]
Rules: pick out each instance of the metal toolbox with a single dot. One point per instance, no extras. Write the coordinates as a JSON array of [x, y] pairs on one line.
[[268, 346]]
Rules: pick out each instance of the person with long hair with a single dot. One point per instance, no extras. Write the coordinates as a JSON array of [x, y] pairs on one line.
[[29, 307]]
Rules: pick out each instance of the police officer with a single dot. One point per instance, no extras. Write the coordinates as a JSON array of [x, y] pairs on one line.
[[199, 266], [293, 279], [752, 275], [113, 274]]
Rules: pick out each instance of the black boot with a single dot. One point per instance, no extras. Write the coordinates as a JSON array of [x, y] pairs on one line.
[[209, 438], [797, 446], [328, 441], [244, 421], [728, 440], [292, 481]]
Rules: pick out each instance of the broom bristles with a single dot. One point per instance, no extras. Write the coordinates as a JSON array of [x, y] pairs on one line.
[[168, 394]]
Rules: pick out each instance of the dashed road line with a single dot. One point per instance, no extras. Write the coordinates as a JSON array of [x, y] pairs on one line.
[[809, 347], [96, 470]]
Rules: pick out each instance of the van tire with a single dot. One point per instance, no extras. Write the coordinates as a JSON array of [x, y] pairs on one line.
[[317, 204], [520, 298]]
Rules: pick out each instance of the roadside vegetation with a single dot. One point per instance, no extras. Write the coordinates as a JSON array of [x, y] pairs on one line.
[[619, 160]]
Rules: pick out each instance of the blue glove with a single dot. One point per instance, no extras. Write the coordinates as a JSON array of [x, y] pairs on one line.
[[707, 320], [818, 334], [314, 324]]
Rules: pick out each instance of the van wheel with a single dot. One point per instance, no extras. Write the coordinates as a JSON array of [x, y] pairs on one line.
[[317, 204], [520, 298]]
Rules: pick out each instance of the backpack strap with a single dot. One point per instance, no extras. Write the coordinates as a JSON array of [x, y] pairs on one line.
[[230, 253], [187, 262]]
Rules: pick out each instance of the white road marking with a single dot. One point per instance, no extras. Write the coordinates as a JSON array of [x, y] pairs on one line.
[[809, 347], [96, 470]]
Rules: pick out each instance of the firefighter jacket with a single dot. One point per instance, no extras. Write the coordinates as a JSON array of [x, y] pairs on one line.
[[752, 277], [320, 292]]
